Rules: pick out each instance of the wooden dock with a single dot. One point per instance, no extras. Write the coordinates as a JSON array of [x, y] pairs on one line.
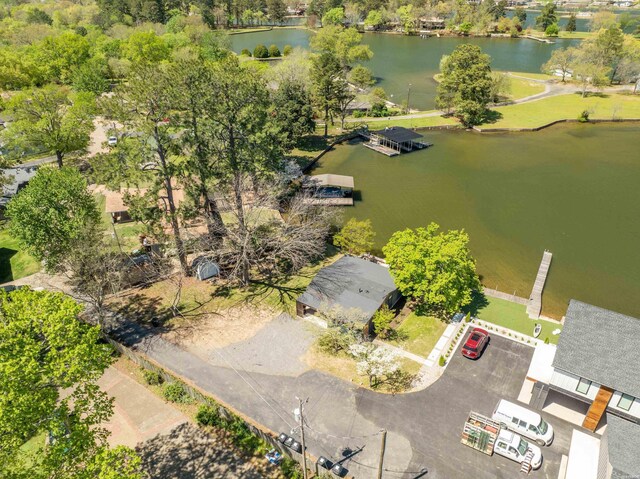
[[382, 149], [535, 300]]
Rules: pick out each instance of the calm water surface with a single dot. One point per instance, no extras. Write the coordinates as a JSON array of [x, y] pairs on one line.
[[571, 189], [399, 61]]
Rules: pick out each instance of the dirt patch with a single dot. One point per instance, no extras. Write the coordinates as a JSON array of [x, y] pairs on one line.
[[199, 335]]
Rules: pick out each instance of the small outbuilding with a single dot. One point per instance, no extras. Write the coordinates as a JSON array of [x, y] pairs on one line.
[[329, 189], [350, 283]]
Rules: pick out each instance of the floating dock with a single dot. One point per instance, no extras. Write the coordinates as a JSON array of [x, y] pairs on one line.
[[394, 140], [534, 307], [329, 201]]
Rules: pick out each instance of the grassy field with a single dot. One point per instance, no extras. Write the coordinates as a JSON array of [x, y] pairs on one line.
[[541, 112], [563, 34], [14, 263], [419, 334], [514, 316], [534, 76], [521, 88], [424, 122]]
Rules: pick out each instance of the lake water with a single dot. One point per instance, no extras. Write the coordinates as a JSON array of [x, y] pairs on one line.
[[399, 60], [571, 189]]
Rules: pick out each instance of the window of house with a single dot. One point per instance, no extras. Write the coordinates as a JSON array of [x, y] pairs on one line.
[[625, 402], [583, 386]]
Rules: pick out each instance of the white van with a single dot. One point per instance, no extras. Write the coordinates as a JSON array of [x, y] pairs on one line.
[[512, 446], [528, 423]]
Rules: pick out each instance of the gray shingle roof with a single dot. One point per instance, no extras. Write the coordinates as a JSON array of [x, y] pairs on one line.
[[350, 283], [600, 345], [624, 444], [398, 134]]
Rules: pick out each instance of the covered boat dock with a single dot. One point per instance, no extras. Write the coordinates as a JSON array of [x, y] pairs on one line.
[[332, 190], [394, 140]]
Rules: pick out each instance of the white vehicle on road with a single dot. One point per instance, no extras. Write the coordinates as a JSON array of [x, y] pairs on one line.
[[524, 422], [511, 445]]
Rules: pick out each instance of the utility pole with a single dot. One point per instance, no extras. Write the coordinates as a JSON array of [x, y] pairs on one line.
[[383, 444], [408, 96], [304, 449]]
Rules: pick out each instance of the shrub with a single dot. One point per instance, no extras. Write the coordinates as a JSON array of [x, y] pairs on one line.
[[382, 321], [291, 469], [287, 50], [260, 51], [274, 51], [552, 30], [335, 340], [467, 318], [175, 392], [208, 415], [546, 340], [152, 378], [584, 116], [442, 361], [359, 114], [244, 438], [245, 52]]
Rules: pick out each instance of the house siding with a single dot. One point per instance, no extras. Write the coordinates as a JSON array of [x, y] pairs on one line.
[[633, 411], [569, 382]]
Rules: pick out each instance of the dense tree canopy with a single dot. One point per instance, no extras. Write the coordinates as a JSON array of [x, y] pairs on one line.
[[434, 269], [45, 350]]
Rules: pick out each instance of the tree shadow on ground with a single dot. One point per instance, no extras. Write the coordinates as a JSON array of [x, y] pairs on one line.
[[6, 273], [492, 116], [143, 309], [188, 452], [478, 302], [312, 143], [592, 94]]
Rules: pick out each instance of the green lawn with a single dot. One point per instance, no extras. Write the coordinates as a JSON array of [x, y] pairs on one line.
[[32, 446], [563, 34], [419, 334], [534, 76], [514, 316], [521, 88], [14, 263], [541, 112], [425, 122]]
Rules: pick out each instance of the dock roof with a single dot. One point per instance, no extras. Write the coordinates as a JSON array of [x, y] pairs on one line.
[[333, 180], [398, 134], [601, 346]]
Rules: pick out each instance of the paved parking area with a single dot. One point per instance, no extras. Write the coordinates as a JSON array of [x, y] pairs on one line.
[[434, 418]]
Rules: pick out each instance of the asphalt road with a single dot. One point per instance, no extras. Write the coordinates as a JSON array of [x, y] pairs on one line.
[[424, 427]]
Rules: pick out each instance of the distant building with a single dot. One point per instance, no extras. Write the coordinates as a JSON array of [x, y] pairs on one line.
[[350, 283]]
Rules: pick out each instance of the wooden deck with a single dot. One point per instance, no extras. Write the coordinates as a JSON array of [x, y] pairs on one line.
[[535, 300], [382, 149], [597, 408], [330, 201]]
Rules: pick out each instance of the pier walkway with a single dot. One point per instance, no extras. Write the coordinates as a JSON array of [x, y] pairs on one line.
[[535, 300]]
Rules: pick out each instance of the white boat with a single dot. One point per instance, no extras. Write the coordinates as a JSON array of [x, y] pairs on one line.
[[537, 330]]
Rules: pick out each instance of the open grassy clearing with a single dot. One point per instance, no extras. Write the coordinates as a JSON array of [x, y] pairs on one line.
[[538, 113], [514, 316], [15, 263], [522, 88], [534, 76], [419, 334], [424, 122]]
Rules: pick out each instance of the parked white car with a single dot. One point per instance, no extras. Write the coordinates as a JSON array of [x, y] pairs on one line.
[[514, 447], [523, 421], [112, 141]]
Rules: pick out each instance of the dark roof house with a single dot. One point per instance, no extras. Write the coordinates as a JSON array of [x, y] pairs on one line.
[[351, 283], [601, 346], [620, 449]]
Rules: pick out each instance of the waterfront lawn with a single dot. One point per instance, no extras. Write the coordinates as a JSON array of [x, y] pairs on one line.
[[424, 122], [534, 76], [522, 88], [14, 262], [419, 334], [538, 113], [514, 316]]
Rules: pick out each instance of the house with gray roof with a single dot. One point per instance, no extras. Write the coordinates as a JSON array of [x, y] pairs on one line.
[[619, 456], [350, 283], [597, 362]]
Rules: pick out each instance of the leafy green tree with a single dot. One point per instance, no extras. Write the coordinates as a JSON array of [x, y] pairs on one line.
[[382, 322], [335, 16], [355, 237], [293, 111], [276, 10], [287, 50], [361, 77], [91, 77], [466, 83], [260, 51], [326, 73], [607, 47], [407, 18], [375, 19], [145, 47], [245, 52], [561, 61], [52, 213], [51, 118], [552, 30], [434, 269], [603, 19], [345, 44], [35, 15], [274, 51], [46, 349], [547, 16], [571, 25], [60, 55], [521, 14]]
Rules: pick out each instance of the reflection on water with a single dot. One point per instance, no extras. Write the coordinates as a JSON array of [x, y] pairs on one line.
[[517, 195]]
